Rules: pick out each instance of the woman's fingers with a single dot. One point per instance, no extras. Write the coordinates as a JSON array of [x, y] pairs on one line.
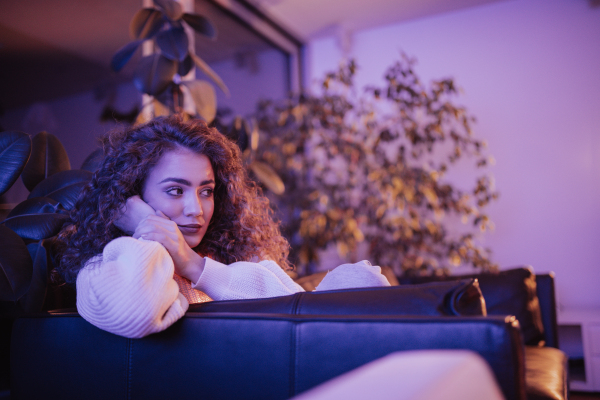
[[161, 214], [160, 228], [164, 238], [132, 213], [155, 224]]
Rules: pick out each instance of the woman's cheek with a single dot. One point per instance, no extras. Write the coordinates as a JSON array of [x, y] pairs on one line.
[[166, 207], [209, 211]]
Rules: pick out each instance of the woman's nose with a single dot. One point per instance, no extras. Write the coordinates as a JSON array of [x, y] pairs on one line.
[[193, 207]]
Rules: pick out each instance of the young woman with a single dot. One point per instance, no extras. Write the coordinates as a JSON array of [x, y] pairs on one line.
[[170, 218]]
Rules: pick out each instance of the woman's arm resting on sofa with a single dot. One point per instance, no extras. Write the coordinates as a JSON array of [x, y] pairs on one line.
[[130, 290], [245, 280]]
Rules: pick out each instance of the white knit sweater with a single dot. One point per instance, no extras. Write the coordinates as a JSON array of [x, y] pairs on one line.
[[130, 290]]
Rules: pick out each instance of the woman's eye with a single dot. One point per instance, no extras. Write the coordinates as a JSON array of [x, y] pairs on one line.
[[207, 192], [176, 191]]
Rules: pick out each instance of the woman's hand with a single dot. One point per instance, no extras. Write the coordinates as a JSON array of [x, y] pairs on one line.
[[160, 228], [132, 213]]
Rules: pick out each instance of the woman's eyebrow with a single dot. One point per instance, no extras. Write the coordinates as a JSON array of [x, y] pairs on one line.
[[177, 180], [186, 182]]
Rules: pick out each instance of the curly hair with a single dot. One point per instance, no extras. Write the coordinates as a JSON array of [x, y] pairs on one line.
[[242, 227]]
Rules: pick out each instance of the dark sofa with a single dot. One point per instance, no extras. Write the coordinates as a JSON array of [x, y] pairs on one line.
[[532, 299], [276, 348]]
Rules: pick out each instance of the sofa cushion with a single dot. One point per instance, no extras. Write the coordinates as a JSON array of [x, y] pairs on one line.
[[508, 292], [461, 297]]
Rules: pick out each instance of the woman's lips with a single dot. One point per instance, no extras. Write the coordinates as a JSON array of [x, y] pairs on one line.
[[191, 228]]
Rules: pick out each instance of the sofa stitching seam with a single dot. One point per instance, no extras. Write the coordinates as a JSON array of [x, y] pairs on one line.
[[296, 303], [129, 366], [293, 360]]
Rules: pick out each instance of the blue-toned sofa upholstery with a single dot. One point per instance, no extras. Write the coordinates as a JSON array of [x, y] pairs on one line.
[[270, 348]]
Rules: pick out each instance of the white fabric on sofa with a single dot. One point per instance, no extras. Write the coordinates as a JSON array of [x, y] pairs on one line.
[[414, 375]]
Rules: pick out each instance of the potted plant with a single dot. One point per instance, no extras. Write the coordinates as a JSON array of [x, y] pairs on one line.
[[26, 233], [369, 167], [164, 73]]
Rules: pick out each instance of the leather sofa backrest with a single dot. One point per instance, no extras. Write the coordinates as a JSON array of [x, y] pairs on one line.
[[507, 292], [239, 356], [454, 298]]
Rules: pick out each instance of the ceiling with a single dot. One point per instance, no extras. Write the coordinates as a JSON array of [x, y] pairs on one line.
[[50, 49], [311, 19]]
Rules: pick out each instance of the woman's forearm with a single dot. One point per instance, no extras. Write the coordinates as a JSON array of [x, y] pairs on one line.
[[244, 280], [130, 290], [193, 269]]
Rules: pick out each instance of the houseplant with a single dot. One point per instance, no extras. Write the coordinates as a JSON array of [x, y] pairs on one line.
[[26, 233], [165, 73], [369, 167], [164, 77]]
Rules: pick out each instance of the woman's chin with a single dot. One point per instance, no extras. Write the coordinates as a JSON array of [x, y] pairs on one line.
[[192, 241]]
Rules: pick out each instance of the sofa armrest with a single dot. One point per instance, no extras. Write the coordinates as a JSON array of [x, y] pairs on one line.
[[239, 356], [547, 298]]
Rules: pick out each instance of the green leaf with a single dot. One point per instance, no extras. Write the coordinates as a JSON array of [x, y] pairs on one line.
[[16, 266], [173, 43], [94, 160], [146, 23], [254, 136], [48, 156], [204, 97], [15, 148], [210, 73], [172, 9], [36, 218], [64, 187], [35, 205], [185, 66], [238, 132], [268, 177], [123, 55], [36, 226], [201, 24], [33, 300], [154, 74]]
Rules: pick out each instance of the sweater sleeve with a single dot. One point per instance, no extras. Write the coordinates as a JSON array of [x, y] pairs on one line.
[[129, 290], [245, 280]]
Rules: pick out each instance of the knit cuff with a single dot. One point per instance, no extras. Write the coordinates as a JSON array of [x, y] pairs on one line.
[[214, 278], [244, 280]]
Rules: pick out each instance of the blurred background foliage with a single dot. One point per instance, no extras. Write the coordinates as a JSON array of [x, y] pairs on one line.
[[166, 72], [166, 75], [369, 167]]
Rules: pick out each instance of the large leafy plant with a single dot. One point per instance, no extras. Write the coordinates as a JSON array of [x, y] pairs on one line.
[[26, 234], [369, 167], [160, 73]]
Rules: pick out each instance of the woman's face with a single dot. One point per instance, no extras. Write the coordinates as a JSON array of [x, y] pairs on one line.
[[182, 185]]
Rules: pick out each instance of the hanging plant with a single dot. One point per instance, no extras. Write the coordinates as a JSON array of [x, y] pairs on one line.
[[159, 74]]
